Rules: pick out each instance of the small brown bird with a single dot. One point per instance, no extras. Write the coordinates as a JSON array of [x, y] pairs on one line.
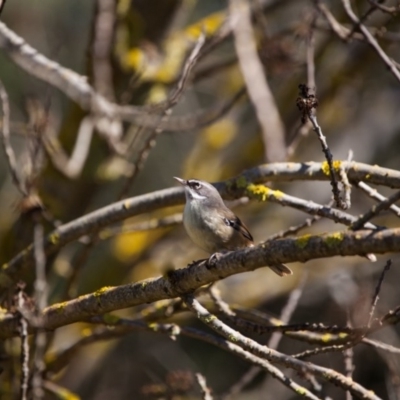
[[212, 225]]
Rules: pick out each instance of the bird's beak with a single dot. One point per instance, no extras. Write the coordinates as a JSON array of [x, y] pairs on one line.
[[181, 181]]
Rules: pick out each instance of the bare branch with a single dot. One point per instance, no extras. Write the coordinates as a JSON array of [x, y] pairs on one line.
[[2, 4], [347, 243], [371, 40], [307, 103], [5, 141], [41, 302], [257, 85], [23, 333], [102, 47], [272, 355], [375, 210], [377, 290], [205, 391], [234, 188], [72, 166], [373, 193], [77, 89]]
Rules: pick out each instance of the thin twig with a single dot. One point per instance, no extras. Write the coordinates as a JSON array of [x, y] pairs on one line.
[[41, 303], [2, 4], [363, 19], [288, 310], [370, 39], [329, 158], [324, 350], [377, 291], [346, 187], [5, 141], [274, 340], [381, 346], [274, 356], [221, 305], [389, 10], [23, 333], [311, 82], [70, 166], [292, 230], [165, 222], [374, 194], [304, 129], [307, 103], [205, 391], [348, 355], [375, 210], [178, 90]]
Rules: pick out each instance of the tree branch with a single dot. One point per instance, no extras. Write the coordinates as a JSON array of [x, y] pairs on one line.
[[185, 280], [233, 188]]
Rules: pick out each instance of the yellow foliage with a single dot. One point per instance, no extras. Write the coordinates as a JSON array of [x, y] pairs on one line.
[[165, 66], [220, 134], [157, 94], [128, 245], [207, 25]]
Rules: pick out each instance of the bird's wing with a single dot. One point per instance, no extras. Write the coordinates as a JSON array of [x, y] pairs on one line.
[[238, 225]]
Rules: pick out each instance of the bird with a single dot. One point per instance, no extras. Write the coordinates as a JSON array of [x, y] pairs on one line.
[[212, 226]]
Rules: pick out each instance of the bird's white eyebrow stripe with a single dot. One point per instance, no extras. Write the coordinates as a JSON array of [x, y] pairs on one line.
[[197, 196]]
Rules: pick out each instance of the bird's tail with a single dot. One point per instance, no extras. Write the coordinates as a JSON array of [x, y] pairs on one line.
[[281, 269]]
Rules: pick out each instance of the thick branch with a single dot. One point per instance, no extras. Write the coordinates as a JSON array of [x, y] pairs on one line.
[[188, 279]]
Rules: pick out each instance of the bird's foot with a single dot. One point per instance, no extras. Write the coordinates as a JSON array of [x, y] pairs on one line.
[[212, 261], [197, 262]]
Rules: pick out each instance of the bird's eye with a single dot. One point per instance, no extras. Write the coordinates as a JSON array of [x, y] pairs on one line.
[[195, 185]]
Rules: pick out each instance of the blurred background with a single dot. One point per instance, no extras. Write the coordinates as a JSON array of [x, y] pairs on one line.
[[149, 41]]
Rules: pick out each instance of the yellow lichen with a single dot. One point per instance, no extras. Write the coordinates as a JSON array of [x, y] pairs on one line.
[[54, 238], [153, 326], [335, 164], [334, 239], [302, 241], [326, 337], [277, 194], [232, 338], [343, 335], [102, 291], [259, 192], [143, 284], [301, 391], [210, 319], [59, 307]]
